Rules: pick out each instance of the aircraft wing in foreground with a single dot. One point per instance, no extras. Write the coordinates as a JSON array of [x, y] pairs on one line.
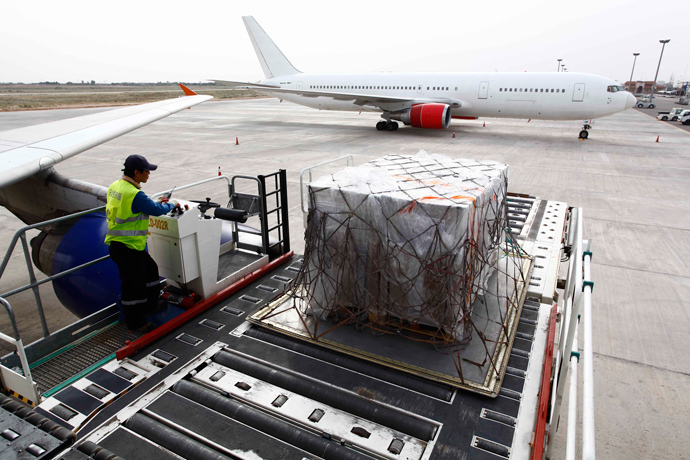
[[27, 151]]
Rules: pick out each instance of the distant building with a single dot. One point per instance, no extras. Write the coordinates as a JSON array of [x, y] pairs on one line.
[[643, 87]]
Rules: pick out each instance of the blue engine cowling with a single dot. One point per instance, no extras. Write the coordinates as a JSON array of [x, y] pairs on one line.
[[95, 287], [92, 288]]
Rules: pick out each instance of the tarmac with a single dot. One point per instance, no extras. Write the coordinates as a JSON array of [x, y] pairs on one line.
[[633, 190]]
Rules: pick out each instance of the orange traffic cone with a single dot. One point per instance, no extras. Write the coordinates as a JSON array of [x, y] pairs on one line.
[[219, 170], [657, 138], [237, 141]]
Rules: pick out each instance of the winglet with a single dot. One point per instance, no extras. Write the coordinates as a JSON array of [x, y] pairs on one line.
[[187, 91]]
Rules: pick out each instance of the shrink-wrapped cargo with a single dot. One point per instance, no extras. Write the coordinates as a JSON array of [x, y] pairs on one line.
[[404, 240]]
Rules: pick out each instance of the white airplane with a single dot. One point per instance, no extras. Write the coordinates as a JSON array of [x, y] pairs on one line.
[[34, 191], [431, 100]]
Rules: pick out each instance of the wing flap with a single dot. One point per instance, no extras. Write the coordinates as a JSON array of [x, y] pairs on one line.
[[26, 151]]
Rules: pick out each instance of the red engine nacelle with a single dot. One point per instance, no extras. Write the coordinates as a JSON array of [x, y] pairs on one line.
[[429, 116]]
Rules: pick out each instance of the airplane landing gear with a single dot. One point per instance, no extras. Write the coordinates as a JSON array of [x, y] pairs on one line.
[[584, 134], [384, 125]]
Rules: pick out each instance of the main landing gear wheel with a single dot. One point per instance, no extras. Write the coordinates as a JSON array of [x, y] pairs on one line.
[[386, 125]]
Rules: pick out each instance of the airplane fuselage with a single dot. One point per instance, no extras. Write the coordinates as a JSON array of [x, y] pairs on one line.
[[552, 96]]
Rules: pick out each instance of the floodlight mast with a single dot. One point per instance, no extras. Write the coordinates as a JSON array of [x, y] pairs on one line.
[[633, 69], [663, 45], [558, 67]]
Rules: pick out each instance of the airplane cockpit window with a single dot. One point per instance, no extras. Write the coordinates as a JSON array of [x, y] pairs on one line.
[[615, 88]]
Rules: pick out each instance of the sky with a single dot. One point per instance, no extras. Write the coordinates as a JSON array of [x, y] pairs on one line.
[[151, 41]]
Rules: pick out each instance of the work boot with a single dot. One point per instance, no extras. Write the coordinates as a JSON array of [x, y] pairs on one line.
[[146, 328]]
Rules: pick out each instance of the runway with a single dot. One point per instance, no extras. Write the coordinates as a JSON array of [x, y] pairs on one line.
[[633, 190]]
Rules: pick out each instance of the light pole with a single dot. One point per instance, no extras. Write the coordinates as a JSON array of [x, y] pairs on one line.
[[558, 67], [663, 45], [633, 69], [563, 67]]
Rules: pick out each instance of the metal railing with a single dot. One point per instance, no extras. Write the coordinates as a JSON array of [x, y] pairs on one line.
[[577, 305], [349, 161], [23, 384], [35, 283]]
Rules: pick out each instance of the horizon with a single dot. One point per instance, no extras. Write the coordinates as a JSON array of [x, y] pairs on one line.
[[151, 42]]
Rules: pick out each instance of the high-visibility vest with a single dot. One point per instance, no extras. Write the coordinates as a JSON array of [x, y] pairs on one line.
[[125, 226]]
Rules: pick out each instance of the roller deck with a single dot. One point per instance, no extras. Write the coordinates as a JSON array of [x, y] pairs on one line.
[[215, 382]]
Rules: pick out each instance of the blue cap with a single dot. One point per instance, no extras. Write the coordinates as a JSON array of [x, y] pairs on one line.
[[139, 163]]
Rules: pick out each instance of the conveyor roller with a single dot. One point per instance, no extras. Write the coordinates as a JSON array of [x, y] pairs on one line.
[[334, 397], [265, 423], [172, 440], [438, 391]]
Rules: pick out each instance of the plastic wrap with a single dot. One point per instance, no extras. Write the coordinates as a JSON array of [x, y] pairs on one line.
[[404, 240]]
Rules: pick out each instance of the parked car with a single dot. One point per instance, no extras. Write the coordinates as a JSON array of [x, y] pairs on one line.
[[671, 114], [684, 117]]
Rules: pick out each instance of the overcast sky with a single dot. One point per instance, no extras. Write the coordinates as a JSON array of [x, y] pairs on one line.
[[153, 41]]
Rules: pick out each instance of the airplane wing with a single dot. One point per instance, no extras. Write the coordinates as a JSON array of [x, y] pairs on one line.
[[384, 103], [27, 151]]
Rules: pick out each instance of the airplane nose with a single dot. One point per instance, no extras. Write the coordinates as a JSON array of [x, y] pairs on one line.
[[631, 101]]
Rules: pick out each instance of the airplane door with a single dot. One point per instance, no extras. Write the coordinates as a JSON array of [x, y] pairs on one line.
[[579, 92], [483, 90]]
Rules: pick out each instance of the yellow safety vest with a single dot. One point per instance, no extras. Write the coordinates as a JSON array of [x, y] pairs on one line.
[[125, 226]]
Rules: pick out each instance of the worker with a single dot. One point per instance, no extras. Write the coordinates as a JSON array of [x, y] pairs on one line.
[[127, 211]]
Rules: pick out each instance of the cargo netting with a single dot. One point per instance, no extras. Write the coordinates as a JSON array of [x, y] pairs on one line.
[[417, 246]]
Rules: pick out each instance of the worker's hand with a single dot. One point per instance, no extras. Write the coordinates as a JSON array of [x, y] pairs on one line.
[[163, 199]]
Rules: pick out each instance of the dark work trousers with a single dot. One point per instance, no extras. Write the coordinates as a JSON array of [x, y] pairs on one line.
[[140, 283]]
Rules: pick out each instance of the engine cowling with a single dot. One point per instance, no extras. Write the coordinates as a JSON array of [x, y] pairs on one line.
[[428, 116]]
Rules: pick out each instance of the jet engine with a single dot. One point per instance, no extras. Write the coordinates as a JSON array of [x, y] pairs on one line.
[[429, 116], [90, 289]]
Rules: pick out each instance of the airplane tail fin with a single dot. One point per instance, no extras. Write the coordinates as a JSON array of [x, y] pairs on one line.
[[273, 61]]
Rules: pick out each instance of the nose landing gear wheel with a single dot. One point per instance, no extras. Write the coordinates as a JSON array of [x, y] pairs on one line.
[[584, 134]]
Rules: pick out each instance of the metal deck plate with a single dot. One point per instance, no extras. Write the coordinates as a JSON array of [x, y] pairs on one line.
[[478, 367]]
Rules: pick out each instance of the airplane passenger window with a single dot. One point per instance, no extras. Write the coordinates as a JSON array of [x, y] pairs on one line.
[[500, 89], [552, 90], [520, 89], [511, 90]]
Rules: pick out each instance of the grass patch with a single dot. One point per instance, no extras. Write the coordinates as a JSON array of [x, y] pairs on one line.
[[39, 97]]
